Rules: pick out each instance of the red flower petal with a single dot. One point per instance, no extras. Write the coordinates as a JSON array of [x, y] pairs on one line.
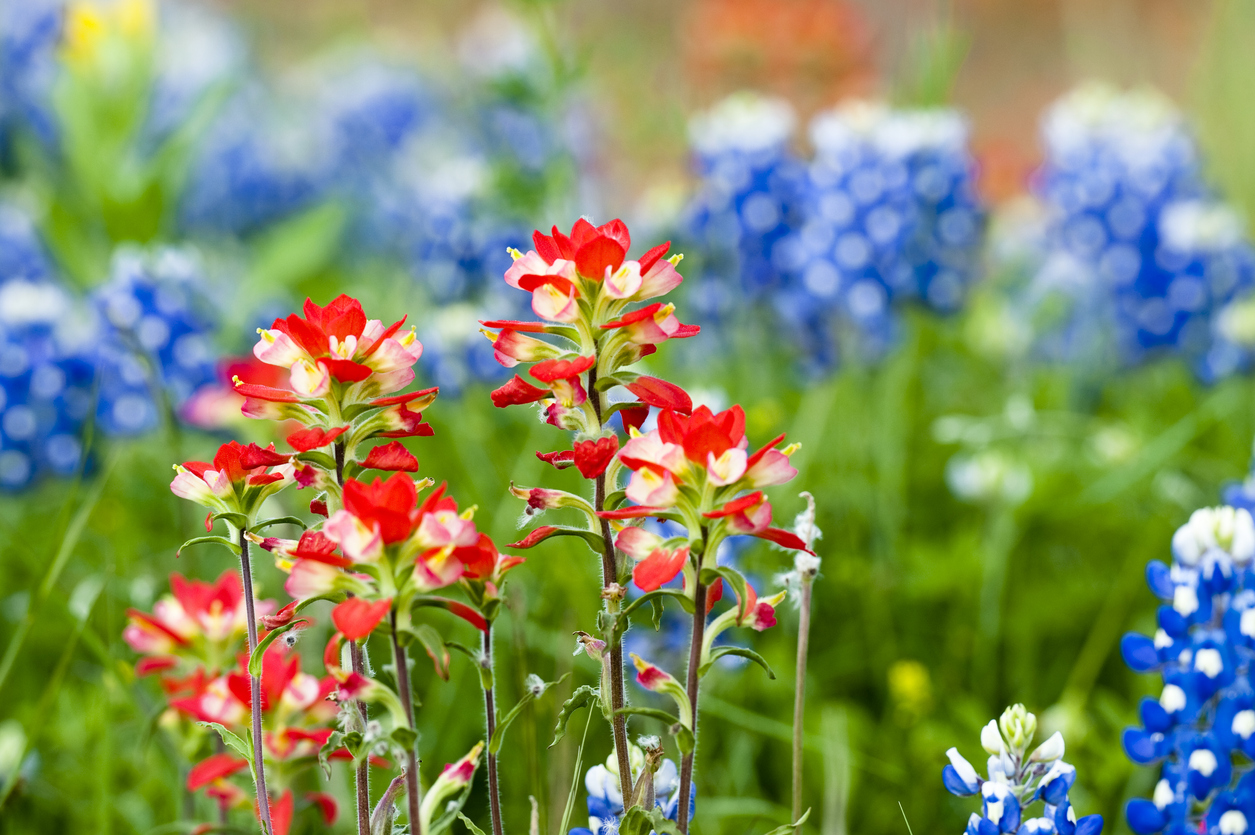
[[408, 397], [636, 512], [560, 459], [356, 618], [595, 257], [393, 457], [522, 327], [148, 666], [757, 456], [387, 334], [326, 806], [252, 456], [633, 416], [736, 505], [267, 393], [534, 281], [535, 537], [549, 371], [281, 814], [659, 567], [214, 768], [714, 593], [517, 392], [655, 392], [634, 317], [545, 246], [783, 538], [617, 231], [592, 457], [318, 507], [652, 257], [347, 371], [303, 440]]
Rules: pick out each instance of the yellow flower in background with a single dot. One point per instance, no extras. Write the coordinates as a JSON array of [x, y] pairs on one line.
[[90, 25], [910, 688]]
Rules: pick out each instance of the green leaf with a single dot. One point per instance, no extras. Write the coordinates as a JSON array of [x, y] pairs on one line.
[[232, 740], [475, 830], [650, 597], [434, 643], [615, 499], [576, 774], [333, 596], [494, 744], [254, 660], [334, 743], [636, 822], [656, 605], [742, 652], [211, 540], [735, 580], [788, 828], [581, 698], [592, 538], [663, 825], [280, 520], [405, 737]]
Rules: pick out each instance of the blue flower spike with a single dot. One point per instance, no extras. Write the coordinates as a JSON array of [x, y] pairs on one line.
[[1018, 777], [1206, 709]]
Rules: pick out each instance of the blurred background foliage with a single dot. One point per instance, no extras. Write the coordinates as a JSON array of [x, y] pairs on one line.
[[987, 509]]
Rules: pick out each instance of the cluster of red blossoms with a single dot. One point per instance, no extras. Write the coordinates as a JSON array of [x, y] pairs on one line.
[[383, 549]]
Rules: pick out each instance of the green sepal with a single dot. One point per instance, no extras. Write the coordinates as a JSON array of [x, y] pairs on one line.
[[636, 821], [581, 698], [649, 597], [719, 652], [232, 517], [788, 828], [280, 520], [494, 744], [735, 579], [210, 540], [615, 499], [452, 810]]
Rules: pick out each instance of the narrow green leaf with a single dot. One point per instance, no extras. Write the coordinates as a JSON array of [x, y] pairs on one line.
[[576, 776], [211, 540], [433, 642], [280, 520], [788, 828], [474, 830], [232, 740], [615, 499], [254, 660], [656, 605], [233, 517], [742, 652], [651, 712], [405, 737], [662, 824], [582, 697], [649, 597], [321, 460], [494, 744], [334, 743]]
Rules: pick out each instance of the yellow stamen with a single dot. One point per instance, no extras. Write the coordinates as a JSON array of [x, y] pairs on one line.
[[514, 253], [792, 448], [676, 259]]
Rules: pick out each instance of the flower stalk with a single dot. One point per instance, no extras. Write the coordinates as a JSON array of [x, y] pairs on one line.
[[259, 760], [693, 683], [805, 569], [413, 791], [490, 712], [357, 661]]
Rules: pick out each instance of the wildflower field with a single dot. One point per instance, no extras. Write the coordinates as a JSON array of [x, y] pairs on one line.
[[737, 417]]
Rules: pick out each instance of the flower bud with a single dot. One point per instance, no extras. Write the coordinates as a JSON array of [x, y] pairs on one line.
[[451, 781], [1050, 750], [1018, 726], [991, 740]]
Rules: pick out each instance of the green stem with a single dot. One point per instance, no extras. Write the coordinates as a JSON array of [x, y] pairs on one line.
[[413, 789], [259, 758], [694, 681], [799, 697], [490, 710]]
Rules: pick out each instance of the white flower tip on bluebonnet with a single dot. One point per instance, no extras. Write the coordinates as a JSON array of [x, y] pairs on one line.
[[991, 739], [1172, 699], [1163, 795], [1135, 121], [1200, 225], [497, 43], [743, 122], [25, 302], [995, 796], [1203, 760], [1243, 724], [1209, 662], [1232, 822], [1050, 750], [989, 475], [1230, 529], [603, 784], [964, 769], [895, 132]]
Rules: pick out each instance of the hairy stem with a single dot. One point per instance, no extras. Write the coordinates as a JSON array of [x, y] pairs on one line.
[[609, 577], [490, 710], [413, 791], [695, 660], [259, 771], [799, 696], [361, 778]]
